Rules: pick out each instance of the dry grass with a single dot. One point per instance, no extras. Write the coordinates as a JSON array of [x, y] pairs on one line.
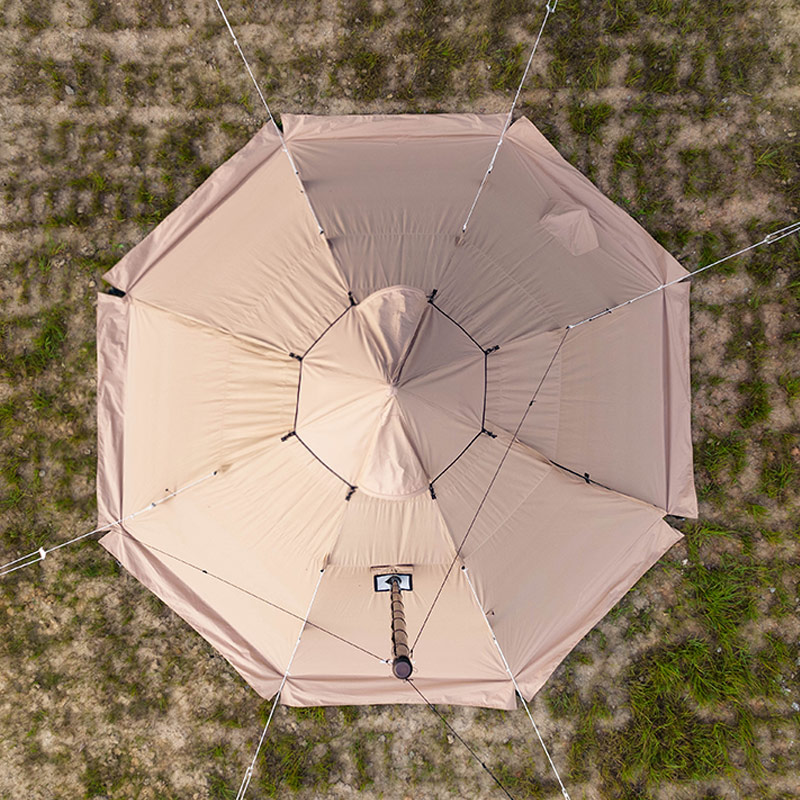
[[686, 114]]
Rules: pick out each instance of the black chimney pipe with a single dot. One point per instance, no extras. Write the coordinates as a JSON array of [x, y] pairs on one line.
[[401, 665]]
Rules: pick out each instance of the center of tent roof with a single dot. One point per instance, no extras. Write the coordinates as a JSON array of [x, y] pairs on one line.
[[391, 394]]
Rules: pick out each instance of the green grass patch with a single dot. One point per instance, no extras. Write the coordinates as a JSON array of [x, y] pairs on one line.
[[433, 56], [756, 407], [587, 120], [368, 69], [764, 264], [700, 535], [790, 383], [639, 624], [654, 68], [582, 55], [719, 459], [310, 713], [703, 176], [714, 246], [748, 338], [361, 761], [586, 739], [721, 597], [286, 762], [780, 469], [667, 738], [525, 780], [563, 703], [47, 344]]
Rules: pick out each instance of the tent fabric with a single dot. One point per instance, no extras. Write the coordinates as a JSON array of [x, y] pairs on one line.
[[375, 345], [572, 227], [401, 384]]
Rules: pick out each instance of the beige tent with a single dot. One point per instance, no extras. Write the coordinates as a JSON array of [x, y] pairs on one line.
[[402, 357]]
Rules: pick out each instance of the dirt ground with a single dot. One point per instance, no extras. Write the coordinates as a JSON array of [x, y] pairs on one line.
[[686, 114]]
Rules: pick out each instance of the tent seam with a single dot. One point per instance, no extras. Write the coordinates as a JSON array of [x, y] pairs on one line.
[[272, 348]]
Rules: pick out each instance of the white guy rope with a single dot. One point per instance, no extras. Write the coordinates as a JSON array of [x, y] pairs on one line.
[[770, 238], [271, 118], [550, 8], [248, 775], [516, 686], [42, 552]]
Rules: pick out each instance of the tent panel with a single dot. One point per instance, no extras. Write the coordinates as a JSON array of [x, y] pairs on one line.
[[642, 555], [455, 661], [438, 434], [193, 211], [552, 248], [112, 331], [380, 532], [364, 128], [392, 191], [460, 491], [625, 412], [377, 260], [196, 400], [557, 565], [549, 554], [252, 534], [546, 604], [681, 495], [253, 264], [620, 236], [515, 373], [196, 599], [495, 305]]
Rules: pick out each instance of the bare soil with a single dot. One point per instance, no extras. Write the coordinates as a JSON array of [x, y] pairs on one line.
[[686, 114]]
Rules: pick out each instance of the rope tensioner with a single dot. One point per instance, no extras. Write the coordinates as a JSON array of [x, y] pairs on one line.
[[550, 8], [770, 238], [41, 553]]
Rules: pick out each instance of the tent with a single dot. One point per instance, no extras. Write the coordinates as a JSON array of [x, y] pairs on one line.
[[306, 386]]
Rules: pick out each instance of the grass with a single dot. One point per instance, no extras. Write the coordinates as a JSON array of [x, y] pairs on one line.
[[673, 109], [587, 120], [666, 740], [285, 762], [721, 597], [719, 460], [361, 757], [654, 68], [704, 176], [780, 469], [682, 694], [435, 57], [756, 406], [368, 69], [790, 383]]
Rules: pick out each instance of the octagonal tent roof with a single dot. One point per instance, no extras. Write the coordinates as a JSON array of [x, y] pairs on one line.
[[241, 324]]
